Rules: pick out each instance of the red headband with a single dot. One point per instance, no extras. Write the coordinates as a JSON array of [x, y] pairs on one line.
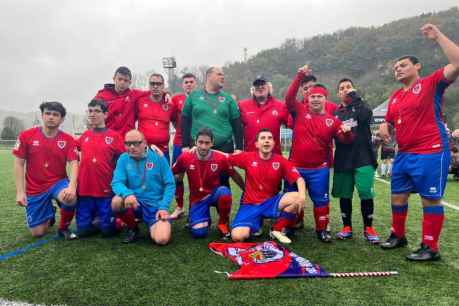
[[318, 90]]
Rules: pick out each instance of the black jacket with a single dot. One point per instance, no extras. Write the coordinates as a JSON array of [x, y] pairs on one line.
[[360, 152]]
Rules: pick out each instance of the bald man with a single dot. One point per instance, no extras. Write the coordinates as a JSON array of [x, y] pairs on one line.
[[213, 108], [144, 187]]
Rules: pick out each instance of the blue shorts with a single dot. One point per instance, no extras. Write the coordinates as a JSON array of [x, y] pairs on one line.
[[317, 183], [39, 207], [176, 152], [425, 174], [90, 207], [250, 215], [200, 211], [147, 213]]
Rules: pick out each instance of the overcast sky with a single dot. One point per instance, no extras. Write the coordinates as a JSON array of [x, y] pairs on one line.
[[66, 50]]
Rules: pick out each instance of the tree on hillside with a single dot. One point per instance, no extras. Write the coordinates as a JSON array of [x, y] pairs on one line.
[[12, 126]]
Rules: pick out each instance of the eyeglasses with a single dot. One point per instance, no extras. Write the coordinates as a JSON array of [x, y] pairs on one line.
[[157, 84], [133, 143]]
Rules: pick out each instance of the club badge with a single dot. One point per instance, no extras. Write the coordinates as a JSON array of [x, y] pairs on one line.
[[221, 99], [417, 88], [275, 113], [276, 165], [329, 122], [149, 165], [192, 167], [213, 167], [108, 140], [165, 107], [61, 144]]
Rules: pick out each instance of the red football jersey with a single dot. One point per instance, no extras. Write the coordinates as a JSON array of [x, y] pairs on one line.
[[121, 107], [312, 140], [178, 101], [203, 175], [46, 158], [263, 177], [99, 152], [416, 115], [154, 119], [255, 117]]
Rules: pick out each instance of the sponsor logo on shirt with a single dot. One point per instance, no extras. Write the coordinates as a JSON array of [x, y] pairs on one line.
[[254, 164], [108, 140], [61, 144], [417, 88], [192, 167], [329, 122], [276, 165], [149, 165], [275, 113], [213, 167], [35, 143]]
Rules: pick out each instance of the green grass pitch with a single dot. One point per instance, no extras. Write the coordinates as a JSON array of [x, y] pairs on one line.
[[98, 271]]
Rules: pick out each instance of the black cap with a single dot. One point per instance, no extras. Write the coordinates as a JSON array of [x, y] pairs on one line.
[[260, 80]]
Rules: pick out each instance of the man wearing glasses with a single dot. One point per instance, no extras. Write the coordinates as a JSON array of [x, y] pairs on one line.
[[144, 187], [100, 148], [155, 113]]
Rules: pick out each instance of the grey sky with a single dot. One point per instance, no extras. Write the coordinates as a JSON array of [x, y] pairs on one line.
[[66, 50]]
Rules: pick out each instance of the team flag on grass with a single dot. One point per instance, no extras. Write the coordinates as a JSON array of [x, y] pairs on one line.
[[270, 260]]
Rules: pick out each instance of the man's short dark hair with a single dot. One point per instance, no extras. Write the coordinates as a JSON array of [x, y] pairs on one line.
[[307, 79], [261, 131], [53, 106], [345, 80], [157, 75], [124, 71], [205, 131], [188, 75], [413, 59], [100, 103]]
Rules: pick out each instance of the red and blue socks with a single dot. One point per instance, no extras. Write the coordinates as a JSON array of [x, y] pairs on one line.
[[224, 208], [432, 224], [285, 220], [399, 214]]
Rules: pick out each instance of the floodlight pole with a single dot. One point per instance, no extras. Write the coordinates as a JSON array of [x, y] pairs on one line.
[[169, 64]]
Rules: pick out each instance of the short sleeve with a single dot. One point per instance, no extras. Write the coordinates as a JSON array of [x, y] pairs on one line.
[[72, 153], [238, 160], [289, 172], [20, 148], [179, 166]]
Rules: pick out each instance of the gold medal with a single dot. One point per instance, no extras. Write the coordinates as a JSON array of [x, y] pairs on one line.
[[399, 121]]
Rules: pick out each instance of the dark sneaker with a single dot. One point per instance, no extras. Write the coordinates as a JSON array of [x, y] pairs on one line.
[[224, 231], [371, 235], [131, 235], [324, 236], [394, 242], [346, 233], [66, 234], [424, 253]]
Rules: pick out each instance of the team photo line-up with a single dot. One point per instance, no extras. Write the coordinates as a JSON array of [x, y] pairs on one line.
[[118, 172]]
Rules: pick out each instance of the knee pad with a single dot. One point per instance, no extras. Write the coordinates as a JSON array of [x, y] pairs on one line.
[[199, 232]]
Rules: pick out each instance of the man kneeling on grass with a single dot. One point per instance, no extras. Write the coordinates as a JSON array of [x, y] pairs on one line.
[[144, 187], [264, 171]]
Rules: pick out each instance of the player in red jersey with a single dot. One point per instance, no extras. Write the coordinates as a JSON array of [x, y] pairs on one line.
[[121, 101], [264, 171], [304, 80], [42, 154], [100, 148], [423, 159], [188, 85], [313, 133], [203, 167], [155, 114], [262, 110]]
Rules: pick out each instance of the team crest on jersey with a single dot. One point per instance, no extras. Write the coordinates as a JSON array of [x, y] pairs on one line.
[[221, 99], [192, 167], [276, 165], [35, 143], [86, 139], [308, 116], [165, 107], [61, 144], [127, 99], [254, 164], [108, 140], [329, 122], [149, 165], [275, 113], [417, 88], [213, 167]]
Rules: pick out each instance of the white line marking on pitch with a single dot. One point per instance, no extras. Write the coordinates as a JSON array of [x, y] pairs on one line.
[[444, 203]]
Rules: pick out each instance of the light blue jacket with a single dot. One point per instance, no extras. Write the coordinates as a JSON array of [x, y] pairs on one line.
[[150, 179]]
